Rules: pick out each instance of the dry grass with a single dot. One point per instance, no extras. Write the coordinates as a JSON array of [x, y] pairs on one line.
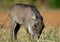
[[49, 34]]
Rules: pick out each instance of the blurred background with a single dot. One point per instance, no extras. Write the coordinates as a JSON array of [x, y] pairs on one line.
[[49, 9], [6, 4]]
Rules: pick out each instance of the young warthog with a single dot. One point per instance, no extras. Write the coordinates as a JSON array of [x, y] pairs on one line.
[[27, 15]]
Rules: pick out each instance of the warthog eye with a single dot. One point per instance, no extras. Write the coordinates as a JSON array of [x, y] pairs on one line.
[[36, 25]]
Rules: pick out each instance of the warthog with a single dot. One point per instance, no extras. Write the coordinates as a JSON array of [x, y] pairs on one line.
[[27, 15]]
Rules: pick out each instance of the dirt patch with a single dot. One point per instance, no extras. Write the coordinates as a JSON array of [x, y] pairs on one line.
[[50, 18], [3, 18]]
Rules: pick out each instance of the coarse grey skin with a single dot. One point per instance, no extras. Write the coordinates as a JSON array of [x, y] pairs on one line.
[[27, 15]]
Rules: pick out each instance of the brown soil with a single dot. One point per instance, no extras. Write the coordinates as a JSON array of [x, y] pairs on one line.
[[50, 18]]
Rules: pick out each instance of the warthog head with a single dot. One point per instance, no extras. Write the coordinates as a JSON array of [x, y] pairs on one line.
[[36, 29]]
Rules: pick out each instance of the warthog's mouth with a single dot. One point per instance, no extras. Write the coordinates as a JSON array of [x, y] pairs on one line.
[[36, 37]]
